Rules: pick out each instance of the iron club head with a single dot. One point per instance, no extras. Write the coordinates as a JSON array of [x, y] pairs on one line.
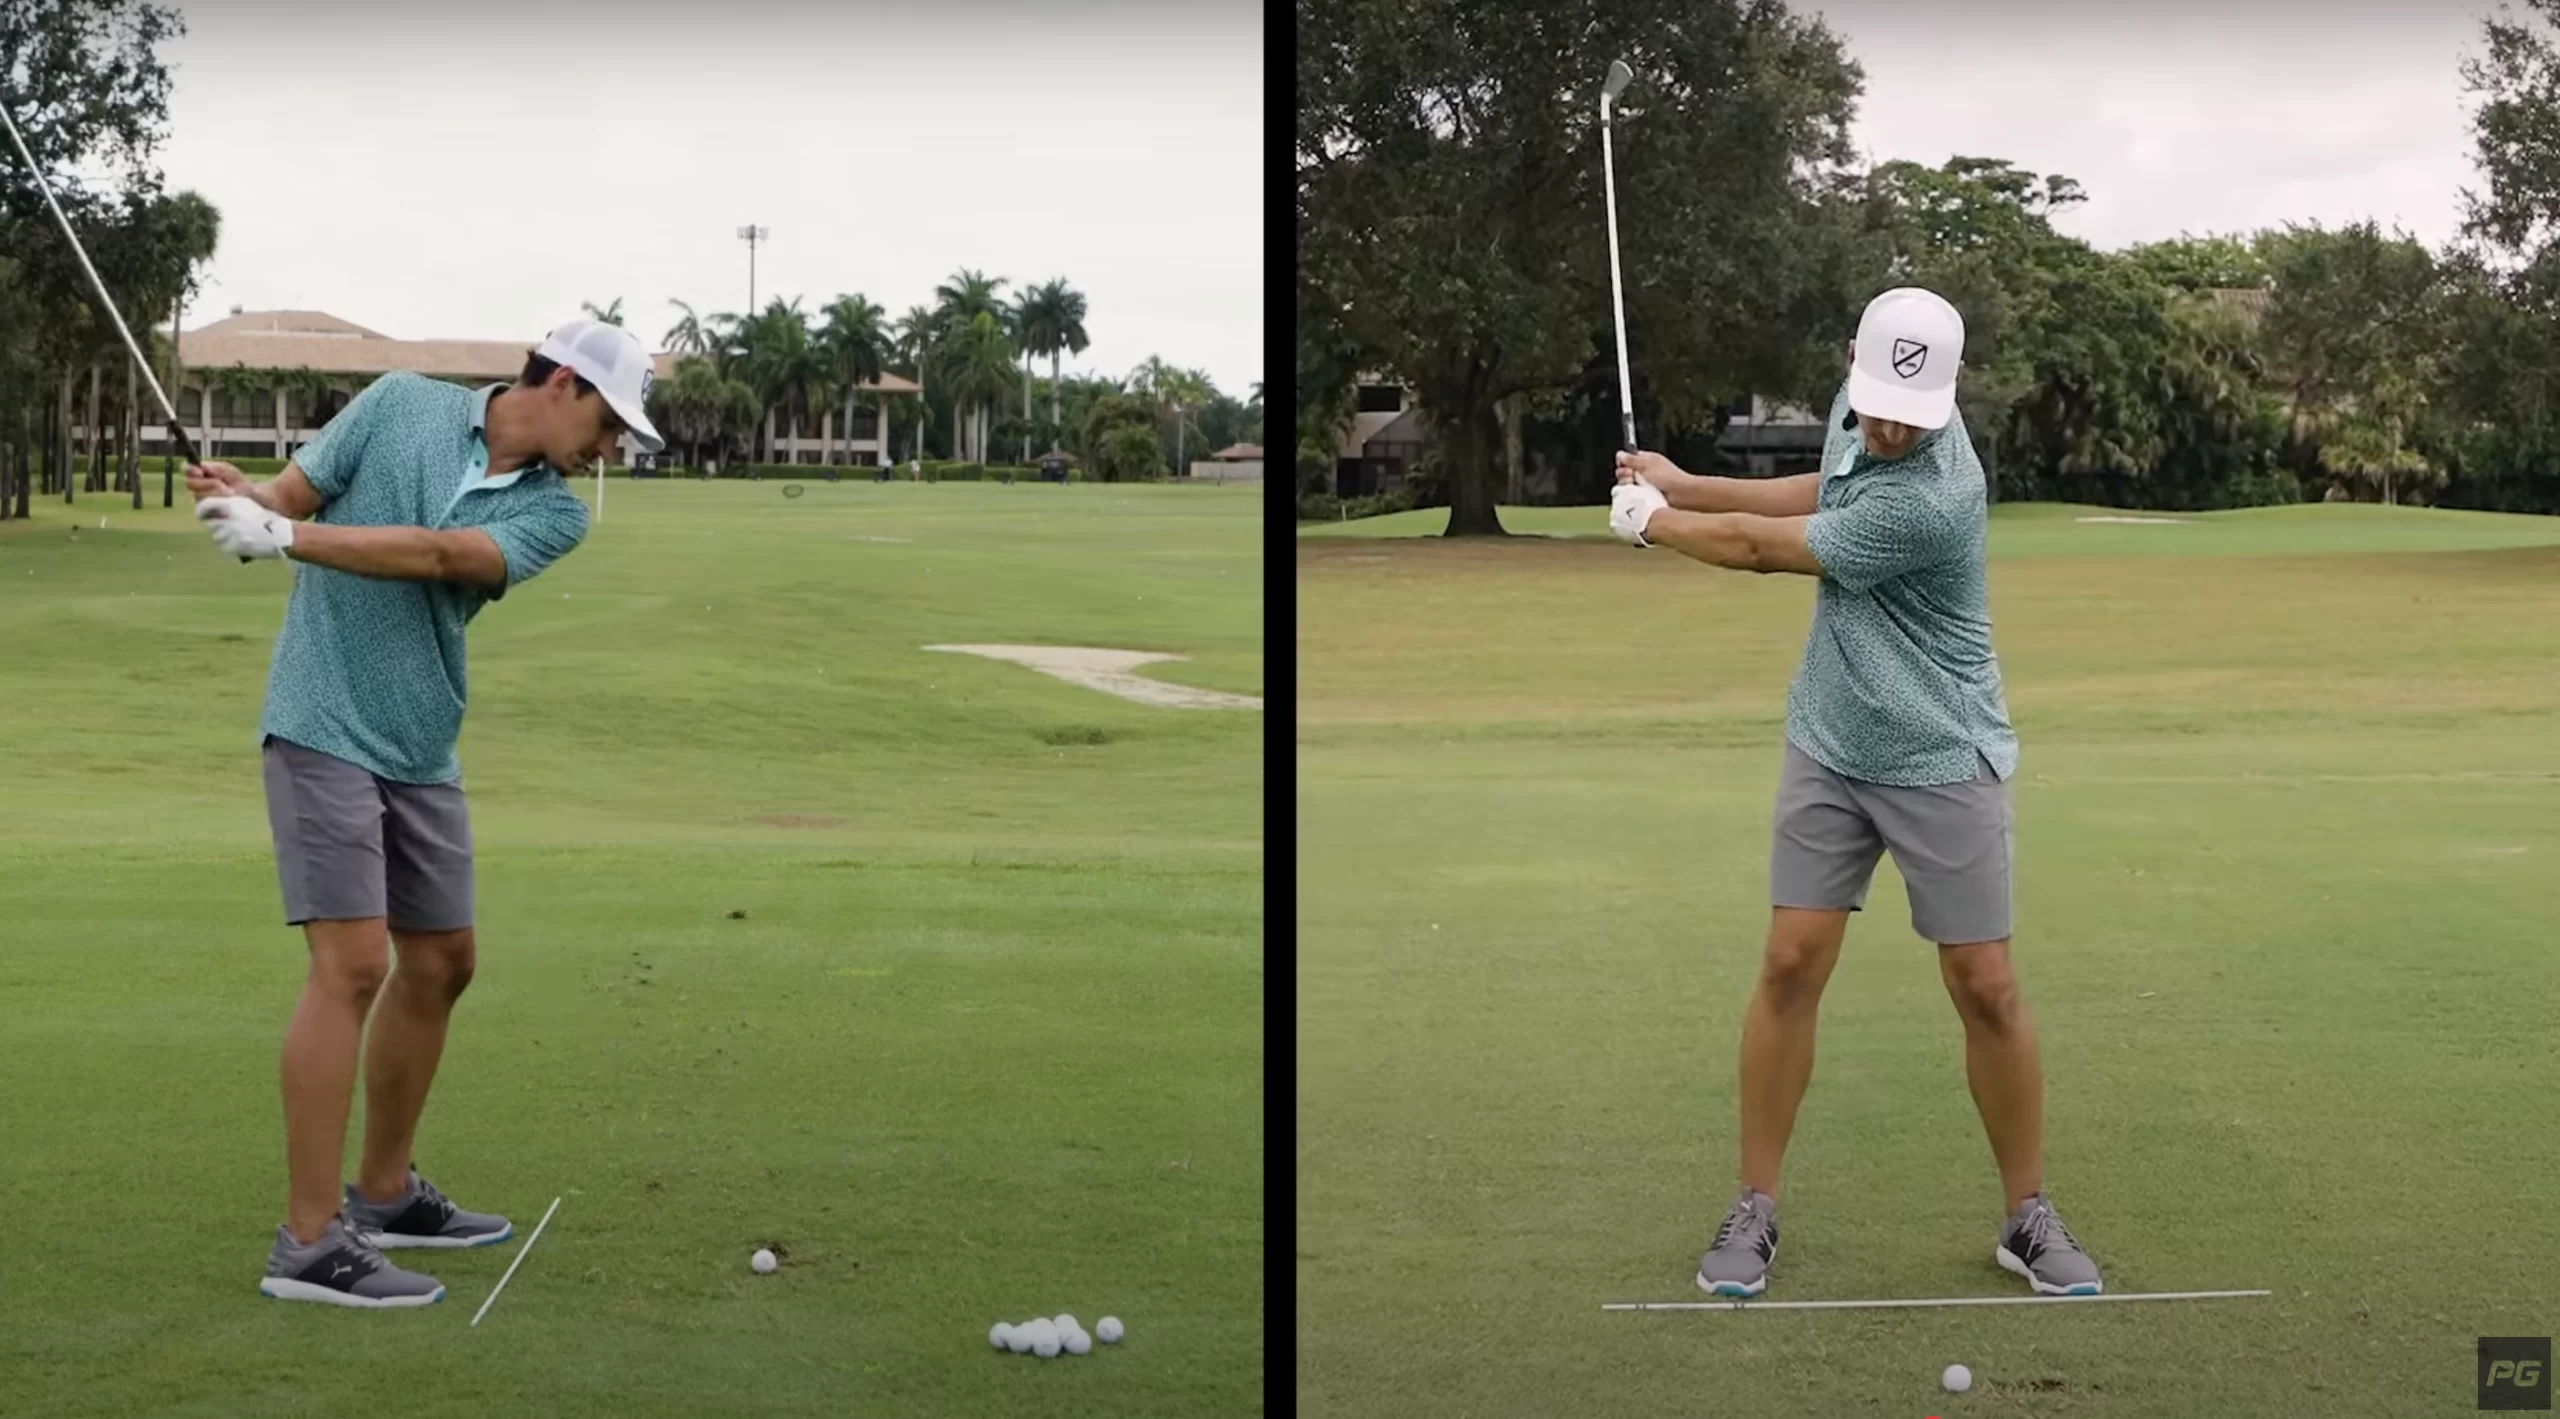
[[1619, 77]]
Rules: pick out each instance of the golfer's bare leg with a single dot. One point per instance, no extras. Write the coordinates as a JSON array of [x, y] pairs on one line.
[[348, 962], [2000, 1061], [401, 1055], [1777, 1034]]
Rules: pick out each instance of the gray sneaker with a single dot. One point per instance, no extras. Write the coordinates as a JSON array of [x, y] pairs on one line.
[[2038, 1247], [1738, 1263], [342, 1269], [423, 1217]]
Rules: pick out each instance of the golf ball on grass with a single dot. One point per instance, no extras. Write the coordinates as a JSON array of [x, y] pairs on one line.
[[1044, 1339], [1066, 1324], [763, 1261], [1107, 1330], [1000, 1335], [1078, 1343], [1957, 1379], [1017, 1338]]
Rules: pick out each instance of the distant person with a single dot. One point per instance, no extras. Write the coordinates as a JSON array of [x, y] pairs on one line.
[[418, 505], [1898, 740]]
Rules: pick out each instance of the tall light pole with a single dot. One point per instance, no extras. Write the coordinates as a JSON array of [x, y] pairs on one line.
[[752, 235]]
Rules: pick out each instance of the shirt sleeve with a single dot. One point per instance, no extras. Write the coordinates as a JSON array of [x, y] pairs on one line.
[[1890, 530], [329, 461], [537, 534]]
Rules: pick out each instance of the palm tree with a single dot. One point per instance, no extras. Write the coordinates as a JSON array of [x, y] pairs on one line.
[[1053, 325], [1175, 393], [956, 305], [688, 404], [726, 334], [687, 336], [916, 337], [1018, 317], [853, 346], [976, 364], [781, 363], [969, 293], [610, 315]]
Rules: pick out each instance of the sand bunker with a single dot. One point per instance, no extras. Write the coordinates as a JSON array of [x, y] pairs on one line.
[[1107, 671]]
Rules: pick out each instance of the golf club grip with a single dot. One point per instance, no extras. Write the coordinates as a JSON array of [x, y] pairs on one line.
[[187, 450]]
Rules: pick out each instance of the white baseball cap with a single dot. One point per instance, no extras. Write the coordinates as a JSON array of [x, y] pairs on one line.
[[614, 361], [1904, 367]]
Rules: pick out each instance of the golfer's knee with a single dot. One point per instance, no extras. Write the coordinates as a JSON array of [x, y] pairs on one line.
[[1794, 968], [349, 959], [1983, 987], [439, 966]]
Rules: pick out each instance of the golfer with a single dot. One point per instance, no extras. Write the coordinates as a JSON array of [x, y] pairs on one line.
[[1898, 741], [419, 504]]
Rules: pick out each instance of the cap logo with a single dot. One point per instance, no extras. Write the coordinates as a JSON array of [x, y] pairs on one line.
[[1908, 357], [647, 378]]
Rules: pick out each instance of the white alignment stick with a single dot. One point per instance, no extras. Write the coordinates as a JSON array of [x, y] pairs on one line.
[[1940, 1301], [519, 1261]]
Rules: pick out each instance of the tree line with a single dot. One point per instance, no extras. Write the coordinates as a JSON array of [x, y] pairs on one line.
[[89, 94], [1452, 239], [739, 381], [89, 91]]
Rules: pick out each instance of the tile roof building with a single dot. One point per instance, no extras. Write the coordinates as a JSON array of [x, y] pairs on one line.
[[229, 418]]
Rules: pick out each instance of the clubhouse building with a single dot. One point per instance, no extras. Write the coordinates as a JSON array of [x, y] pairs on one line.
[[231, 412]]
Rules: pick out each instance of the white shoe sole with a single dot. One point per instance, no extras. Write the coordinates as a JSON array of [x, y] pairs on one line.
[[1738, 1288], [2009, 1261], [391, 1241], [282, 1289]]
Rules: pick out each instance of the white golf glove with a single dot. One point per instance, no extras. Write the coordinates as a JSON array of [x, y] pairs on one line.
[[245, 528], [1632, 506]]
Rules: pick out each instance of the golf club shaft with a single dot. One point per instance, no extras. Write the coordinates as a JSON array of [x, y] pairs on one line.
[[106, 302], [1617, 291]]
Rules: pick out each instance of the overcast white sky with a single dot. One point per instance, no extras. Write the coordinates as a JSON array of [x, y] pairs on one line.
[[2182, 115], [473, 169]]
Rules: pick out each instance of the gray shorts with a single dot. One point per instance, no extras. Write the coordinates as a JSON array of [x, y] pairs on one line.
[[350, 845], [1949, 842]]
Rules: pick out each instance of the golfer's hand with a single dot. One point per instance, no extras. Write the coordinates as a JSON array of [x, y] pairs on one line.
[[1649, 468], [244, 528], [214, 480], [1632, 506]]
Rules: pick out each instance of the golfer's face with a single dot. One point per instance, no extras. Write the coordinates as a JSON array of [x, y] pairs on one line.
[[1885, 438], [602, 430], [584, 429]]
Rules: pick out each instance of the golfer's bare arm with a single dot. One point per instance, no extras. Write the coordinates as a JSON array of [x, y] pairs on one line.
[[1743, 541], [1766, 497], [466, 555], [289, 493]]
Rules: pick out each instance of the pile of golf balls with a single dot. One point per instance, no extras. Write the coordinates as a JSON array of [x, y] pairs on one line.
[[1048, 1335]]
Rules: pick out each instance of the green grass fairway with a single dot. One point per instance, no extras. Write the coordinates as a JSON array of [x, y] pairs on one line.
[[985, 1045], [2289, 878]]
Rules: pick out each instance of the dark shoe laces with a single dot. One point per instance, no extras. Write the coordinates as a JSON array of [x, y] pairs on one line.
[[444, 1206], [1743, 1222]]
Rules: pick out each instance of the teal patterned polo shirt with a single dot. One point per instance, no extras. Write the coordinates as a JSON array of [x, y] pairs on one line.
[[1899, 684], [371, 670]]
